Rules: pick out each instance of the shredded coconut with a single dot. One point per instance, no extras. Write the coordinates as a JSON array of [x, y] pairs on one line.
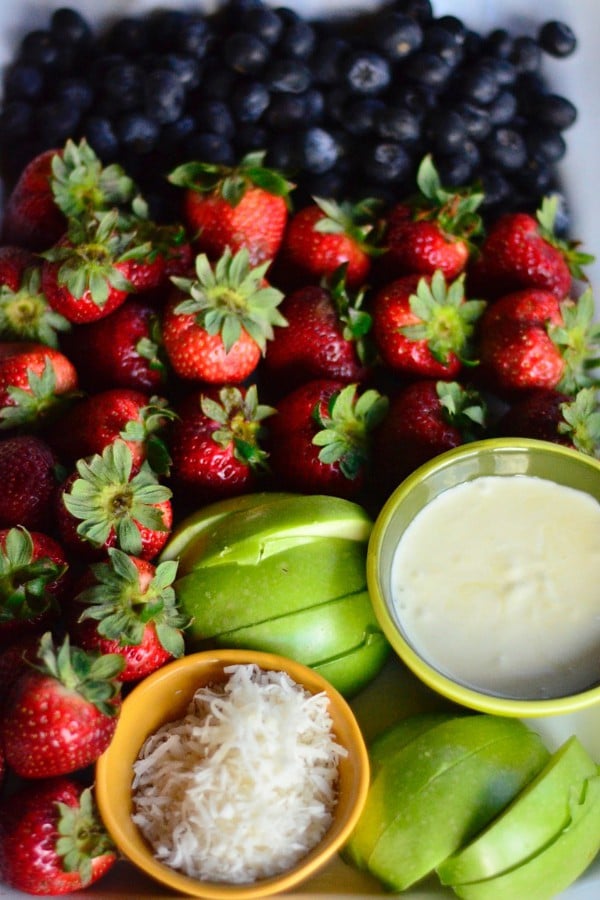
[[245, 784]]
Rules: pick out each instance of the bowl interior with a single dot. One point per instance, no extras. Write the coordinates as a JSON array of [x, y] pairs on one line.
[[502, 457], [163, 697]]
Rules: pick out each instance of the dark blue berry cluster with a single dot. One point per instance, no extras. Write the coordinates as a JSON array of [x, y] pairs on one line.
[[346, 108]]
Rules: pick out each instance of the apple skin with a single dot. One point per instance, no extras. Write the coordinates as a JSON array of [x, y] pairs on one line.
[[284, 573], [557, 865], [438, 791], [531, 822]]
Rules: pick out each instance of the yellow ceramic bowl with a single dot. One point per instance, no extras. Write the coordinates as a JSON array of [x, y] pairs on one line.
[[502, 456], [163, 697]]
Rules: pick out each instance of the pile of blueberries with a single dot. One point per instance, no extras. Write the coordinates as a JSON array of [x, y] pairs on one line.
[[346, 108]]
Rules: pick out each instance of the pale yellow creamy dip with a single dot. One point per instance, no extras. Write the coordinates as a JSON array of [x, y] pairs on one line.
[[497, 584]]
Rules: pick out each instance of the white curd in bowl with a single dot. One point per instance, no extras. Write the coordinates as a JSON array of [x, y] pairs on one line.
[[496, 584]]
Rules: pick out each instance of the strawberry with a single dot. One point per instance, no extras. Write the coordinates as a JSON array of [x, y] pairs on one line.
[[123, 349], [169, 253], [215, 326], [62, 712], [14, 660], [327, 336], [425, 418], [216, 442], [25, 314], [128, 606], [233, 207], [320, 437], [32, 570], [425, 327], [529, 339], [52, 841], [522, 251], [434, 230], [36, 381], [107, 503], [31, 217], [325, 235], [28, 475], [97, 420], [86, 274], [550, 415]]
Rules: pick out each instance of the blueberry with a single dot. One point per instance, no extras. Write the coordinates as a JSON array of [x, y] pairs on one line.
[[319, 150], [164, 96], [367, 72], [503, 108], [249, 136], [506, 148], [186, 68], [249, 100], [455, 169], [215, 116], [557, 38], [427, 69], [70, 26], [386, 162], [16, 120], [326, 59], [478, 83], [499, 43], [361, 114], [443, 43], [263, 22], [554, 110], [298, 39], [57, 120], [476, 119], [137, 132], [535, 177], [124, 87], [23, 81], [396, 35], [218, 80], [398, 123], [195, 37], [101, 135], [40, 48], [496, 187], [285, 111], [526, 54], [73, 90], [212, 148], [445, 131], [288, 75], [546, 142], [421, 10], [245, 53], [175, 133], [128, 35], [283, 152]]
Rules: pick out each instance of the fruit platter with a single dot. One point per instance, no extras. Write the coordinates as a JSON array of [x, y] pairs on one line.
[[260, 264]]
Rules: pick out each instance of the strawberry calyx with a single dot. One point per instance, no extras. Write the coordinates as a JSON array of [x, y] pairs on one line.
[[578, 341], [356, 322], [345, 427], [146, 430], [358, 221], [240, 417], [37, 403], [82, 185], [455, 211], [581, 421], [546, 219], [122, 609], [23, 579], [232, 182], [92, 675], [26, 315], [446, 319], [231, 296], [82, 836], [107, 496], [463, 408]]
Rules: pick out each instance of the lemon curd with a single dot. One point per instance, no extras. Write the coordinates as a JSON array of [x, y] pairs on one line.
[[496, 583]]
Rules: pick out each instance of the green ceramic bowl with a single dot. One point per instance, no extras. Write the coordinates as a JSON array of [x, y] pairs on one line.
[[504, 457]]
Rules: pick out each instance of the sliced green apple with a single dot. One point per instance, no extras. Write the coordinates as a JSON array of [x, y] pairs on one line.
[[399, 735], [438, 791], [557, 865], [532, 820]]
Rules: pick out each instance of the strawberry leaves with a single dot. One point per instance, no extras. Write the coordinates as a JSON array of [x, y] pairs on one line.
[[345, 428], [231, 183], [240, 418], [81, 836]]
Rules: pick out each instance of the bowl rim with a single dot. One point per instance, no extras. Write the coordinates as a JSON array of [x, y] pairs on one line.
[[427, 673], [304, 868]]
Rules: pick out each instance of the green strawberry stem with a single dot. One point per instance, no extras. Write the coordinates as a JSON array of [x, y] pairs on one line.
[[463, 408], [92, 675], [232, 182], [148, 430], [455, 211], [26, 315], [36, 406], [82, 836], [346, 426], [575, 259], [359, 221], [581, 421], [240, 418], [356, 322], [578, 340], [23, 579], [123, 610], [82, 186], [231, 296]]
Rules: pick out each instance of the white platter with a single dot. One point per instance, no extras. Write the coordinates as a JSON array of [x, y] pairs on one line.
[[396, 693]]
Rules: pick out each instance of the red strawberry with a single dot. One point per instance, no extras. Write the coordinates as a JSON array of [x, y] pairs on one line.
[[86, 275], [234, 207], [325, 235], [32, 569], [424, 419], [97, 420], [25, 314], [215, 442], [124, 349], [320, 438], [31, 217], [14, 660], [52, 841], [327, 336], [529, 339], [127, 606], [169, 253], [432, 231], [28, 477], [424, 327], [522, 251], [61, 713], [215, 326], [550, 415], [107, 503], [35, 381]]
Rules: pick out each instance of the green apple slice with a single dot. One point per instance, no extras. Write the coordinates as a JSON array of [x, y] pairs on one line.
[[399, 735], [558, 865], [438, 791], [351, 670], [532, 821]]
